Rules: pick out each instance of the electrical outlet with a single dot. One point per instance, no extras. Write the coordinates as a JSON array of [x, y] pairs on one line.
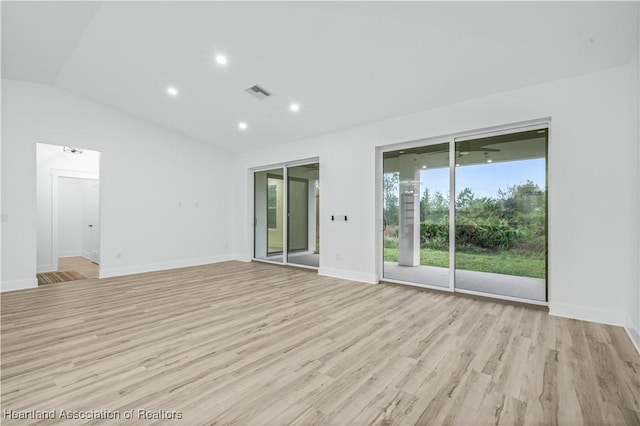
[[4, 217], [338, 257], [118, 255]]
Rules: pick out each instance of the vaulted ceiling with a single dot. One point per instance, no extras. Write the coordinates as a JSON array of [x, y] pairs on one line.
[[345, 63]]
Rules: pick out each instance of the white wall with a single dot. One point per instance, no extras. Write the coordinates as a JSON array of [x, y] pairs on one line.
[[590, 178], [70, 205], [163, 195], [633, 320], [51, 158]]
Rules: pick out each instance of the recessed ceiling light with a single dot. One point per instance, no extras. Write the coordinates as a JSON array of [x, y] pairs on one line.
[[221, 59], [489, 160], [424, 167], [541, 131], [294, 107], [457, 165], [242, 125], [172, 91], [401, 152]]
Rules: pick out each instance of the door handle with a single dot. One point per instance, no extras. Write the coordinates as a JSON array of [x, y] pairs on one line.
[[90, 226]]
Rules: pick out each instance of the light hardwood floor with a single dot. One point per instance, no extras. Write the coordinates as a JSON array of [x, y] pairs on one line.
[[237, 343], [78, 263]]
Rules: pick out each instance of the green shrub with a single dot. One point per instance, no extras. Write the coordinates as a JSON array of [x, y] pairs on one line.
[[491, 237], [470, 236], [434, 235], [390, 243]]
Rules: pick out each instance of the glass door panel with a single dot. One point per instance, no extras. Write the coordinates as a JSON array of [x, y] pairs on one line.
[[303, 221], [501, 215], [269, 215], [416, 215]]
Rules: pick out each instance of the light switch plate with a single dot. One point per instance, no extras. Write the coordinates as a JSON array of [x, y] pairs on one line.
[[4, 217]]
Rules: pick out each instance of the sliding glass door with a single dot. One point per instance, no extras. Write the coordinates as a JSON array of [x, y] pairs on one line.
[[303, 207], [501, 214], [497, 217], [269, 215], [416, 215], [286, 220]]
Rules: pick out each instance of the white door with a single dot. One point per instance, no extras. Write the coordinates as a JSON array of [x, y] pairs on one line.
[[91, 234]]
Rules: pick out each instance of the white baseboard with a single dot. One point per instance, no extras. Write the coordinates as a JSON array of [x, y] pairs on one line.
[[163, 266], [349, 275], [634, 334], [242, 258], [70, 253], [86, 254], [587, 314], [19, 284], [45, 268]]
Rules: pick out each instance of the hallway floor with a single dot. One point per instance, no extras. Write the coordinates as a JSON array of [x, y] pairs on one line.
[[79, 263]]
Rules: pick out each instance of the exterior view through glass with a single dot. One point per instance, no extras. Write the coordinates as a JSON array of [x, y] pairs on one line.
[[500, 218], [501, 215], [416, 215]]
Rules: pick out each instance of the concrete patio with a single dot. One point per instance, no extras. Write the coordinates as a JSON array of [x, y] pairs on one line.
[[485, 282]]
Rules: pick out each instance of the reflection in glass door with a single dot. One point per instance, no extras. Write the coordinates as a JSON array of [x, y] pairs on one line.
[[269, 215], [501, 215], [416, 215], [286, 217]]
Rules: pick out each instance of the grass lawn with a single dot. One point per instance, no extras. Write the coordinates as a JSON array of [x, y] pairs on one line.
[[500, 263]]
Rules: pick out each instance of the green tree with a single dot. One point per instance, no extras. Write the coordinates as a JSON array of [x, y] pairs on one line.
[[524, 198], [390, 188], [464, 199], [425, 207], [440, 202]]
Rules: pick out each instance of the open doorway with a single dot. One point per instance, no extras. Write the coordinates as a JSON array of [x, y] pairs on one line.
[[68, 225]]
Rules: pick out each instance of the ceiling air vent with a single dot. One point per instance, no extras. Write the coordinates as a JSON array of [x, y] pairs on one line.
[[258, 92]]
